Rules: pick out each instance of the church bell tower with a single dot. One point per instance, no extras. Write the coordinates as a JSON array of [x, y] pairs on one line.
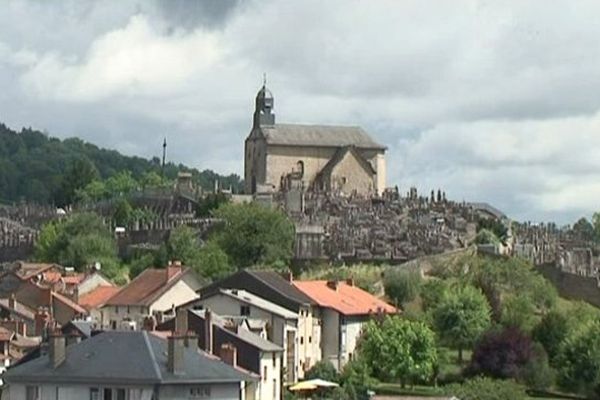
[[263, 112]]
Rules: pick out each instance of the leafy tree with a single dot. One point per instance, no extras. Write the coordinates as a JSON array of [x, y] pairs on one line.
[[183, 245], [432, 292], [486, 236], [461, 317], [584, 229], [213, 262], [399, 349], [79, 173], [482, 388], [579, 360], [252, 234], [496, 227], [78, 241], [323, 370], [356, 379], [551, 332], [537, 373], [502, 354], [210, 202], [401, 285], [123, 212], [518, 311]]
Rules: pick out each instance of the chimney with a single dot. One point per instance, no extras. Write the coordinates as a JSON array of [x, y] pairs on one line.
[[208, 331], [73, 338], [333, 285], [288, 276], [41, 321], [175, 363], [191, 341], [228, 354], [57, 349], [350, 281], [181, 320]]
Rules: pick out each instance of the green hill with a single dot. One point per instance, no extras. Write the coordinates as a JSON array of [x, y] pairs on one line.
[[35, 167]]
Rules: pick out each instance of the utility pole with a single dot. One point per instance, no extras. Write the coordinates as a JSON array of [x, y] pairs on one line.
[[163, 157]]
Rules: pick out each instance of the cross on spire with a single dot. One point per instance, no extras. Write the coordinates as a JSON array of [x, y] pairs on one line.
[[264, 79]]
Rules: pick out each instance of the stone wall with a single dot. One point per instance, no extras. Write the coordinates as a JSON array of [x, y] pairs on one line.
[[572, 286]]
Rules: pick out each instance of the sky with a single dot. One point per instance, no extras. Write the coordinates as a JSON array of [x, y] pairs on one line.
[[490, 101]]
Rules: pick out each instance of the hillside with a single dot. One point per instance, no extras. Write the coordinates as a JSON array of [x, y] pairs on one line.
[[35, 167]]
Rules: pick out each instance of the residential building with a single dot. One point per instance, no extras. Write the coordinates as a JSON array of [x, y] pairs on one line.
[[95, 299], [281, 323], [255, 353], [126, 365], [155, 292], [279, 289], [343, 310]]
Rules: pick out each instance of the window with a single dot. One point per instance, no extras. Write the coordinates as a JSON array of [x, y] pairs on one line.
[[245, 310], [120, 394], [107, 394], [274, 360], [301, 339], [200, 392], [95, 394], [128, 310], [32, 393], [265, 369], [310, 339], [116, 309]]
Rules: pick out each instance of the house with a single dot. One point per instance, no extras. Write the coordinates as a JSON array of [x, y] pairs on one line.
[[155, 292], [95, 299], [126, 365], [343, 310], [255, 354], [280, 290], [17, 316], [281, 323]]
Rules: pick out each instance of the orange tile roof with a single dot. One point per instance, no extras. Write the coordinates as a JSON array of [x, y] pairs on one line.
[[346, 299], [97, 297], [74, 279], [147, 286]]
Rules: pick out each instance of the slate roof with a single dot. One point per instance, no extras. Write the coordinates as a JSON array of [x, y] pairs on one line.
[[268, 284], [124, 357], [318, 135], [246, 297], [84, 327], [148, 286], [346, 299]]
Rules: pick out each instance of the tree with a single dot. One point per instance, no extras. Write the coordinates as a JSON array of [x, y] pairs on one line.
[[210, 202], [183, 245], [578, 361], [323, 370], [502, 354], [482, 388], [461, 317], [78, 241], [213, 262], [123, 212], [356, 378], [402, 285], [551, 331], [399, 349], [432, 292], [252, 234], [518, 311], [79, 173], [584, 229]]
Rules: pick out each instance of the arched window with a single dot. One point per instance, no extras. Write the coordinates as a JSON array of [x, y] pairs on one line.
[[300, 168]]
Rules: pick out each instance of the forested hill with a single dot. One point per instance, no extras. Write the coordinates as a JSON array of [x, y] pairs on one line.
[[38, 168]]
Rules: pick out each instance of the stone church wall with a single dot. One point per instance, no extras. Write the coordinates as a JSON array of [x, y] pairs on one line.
[[349, 176], [281, 160]]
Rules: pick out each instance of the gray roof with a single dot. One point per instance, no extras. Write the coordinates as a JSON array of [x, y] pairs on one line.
[[245, 335], [319, 135], [124, 357], [85, 327], [246, 297]]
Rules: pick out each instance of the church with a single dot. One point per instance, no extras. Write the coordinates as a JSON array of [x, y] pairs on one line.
[[334, 159]]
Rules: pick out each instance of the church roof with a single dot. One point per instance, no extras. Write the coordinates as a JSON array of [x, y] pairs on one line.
[[319, 135]]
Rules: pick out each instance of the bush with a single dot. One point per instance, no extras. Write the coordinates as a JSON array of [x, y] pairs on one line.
[[537, 373], [402, 285], [502, 354], [487, 389], [323, 370]]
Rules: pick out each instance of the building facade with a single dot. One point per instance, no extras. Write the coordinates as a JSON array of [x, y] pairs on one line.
[[340, 159]]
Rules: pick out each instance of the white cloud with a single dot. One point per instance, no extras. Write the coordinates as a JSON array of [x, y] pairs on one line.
[[492, 101]]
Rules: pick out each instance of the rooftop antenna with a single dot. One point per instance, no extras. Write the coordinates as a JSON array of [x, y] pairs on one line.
[[162, 171], [264, 79]]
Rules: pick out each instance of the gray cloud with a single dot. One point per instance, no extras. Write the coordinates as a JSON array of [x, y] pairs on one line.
[[493, 101]]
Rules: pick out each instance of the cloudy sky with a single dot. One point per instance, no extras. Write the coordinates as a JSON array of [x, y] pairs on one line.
[[492, 101]]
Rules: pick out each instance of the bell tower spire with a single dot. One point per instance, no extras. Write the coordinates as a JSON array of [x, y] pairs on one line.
[[263, 111]]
